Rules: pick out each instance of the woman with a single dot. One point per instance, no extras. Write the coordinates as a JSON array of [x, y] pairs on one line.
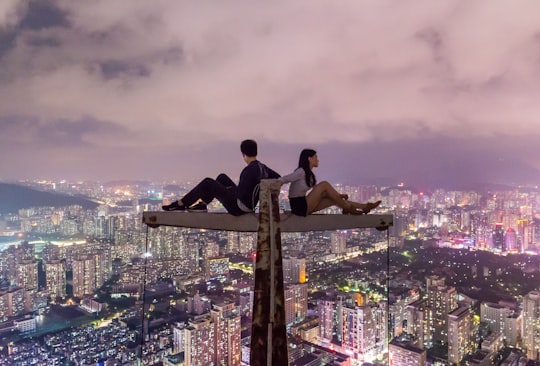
[[322, 194]]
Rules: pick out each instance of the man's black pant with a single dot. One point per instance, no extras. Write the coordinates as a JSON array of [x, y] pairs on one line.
[[222, 188]]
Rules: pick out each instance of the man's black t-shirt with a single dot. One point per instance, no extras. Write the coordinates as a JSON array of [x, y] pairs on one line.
[[249, 179]]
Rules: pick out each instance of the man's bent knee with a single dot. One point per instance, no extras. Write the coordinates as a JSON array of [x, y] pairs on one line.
[[208, 180]]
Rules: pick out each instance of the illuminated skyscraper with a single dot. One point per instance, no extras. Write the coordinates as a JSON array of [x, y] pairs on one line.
[[399, 311], [199, 342], [326, 310], [217, 268], [233, 242], [190, 253], [417, 322], [531, 324], [525, 235], [510, 240], [295, 303], [226, 319], [247, 243], [211, 249], [498, 237], [103, 264], [442, 300], [338, 242], [55, 277], [460, 337], [178, 337], [27, 274], [294, 270], [84, 277], [12, 302], [364, 330], [501, 320]]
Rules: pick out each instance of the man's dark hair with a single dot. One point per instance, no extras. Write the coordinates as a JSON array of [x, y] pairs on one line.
[[249, 148]]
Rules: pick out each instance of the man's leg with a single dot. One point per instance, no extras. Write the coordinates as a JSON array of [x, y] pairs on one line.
[[207, 190], [226, 181]]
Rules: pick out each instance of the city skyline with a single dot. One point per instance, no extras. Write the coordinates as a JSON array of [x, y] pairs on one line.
[[434, 92], [469, 255]]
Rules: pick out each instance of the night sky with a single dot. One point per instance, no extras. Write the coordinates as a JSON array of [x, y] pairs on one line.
[[425, 92]]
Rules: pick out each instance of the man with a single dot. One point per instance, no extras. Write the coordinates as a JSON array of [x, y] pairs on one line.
[[237, 200]]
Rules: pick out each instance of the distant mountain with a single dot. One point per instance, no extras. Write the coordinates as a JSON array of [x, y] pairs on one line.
[[14, 197]]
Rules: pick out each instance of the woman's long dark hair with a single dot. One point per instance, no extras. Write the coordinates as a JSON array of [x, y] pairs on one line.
[[303, 163]]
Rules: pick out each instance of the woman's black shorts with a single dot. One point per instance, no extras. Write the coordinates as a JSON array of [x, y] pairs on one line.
[[298, 205]]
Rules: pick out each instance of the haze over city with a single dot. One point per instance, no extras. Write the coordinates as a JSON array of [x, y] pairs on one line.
[[421, 92]]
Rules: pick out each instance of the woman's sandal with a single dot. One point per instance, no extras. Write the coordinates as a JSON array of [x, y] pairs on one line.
[[370, 206]]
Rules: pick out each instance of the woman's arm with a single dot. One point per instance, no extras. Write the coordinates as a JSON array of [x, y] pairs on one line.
[[294, 176]]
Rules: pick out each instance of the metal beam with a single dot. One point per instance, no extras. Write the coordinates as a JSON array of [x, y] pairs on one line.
[[250, 222]]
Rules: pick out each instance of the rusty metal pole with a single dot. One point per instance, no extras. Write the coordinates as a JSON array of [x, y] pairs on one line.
[[268, 329]]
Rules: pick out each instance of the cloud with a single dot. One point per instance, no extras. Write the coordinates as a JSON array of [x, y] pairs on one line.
[[11, 11], [33, 132], [350, 72]]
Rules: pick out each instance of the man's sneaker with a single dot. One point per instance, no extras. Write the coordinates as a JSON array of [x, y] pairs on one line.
[[199, 207], [173, 207]]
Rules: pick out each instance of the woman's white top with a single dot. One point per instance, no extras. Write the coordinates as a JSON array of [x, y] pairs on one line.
[[298, 187]]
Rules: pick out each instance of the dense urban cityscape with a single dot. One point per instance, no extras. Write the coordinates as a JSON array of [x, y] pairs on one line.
[[454, 281]]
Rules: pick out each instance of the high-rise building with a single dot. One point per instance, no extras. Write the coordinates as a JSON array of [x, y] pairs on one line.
[[247, 243], [55, 277], [501, 320], [498, 237], [406, 354], [510, 240], [338, 242], [531, 324], [84, 277], [50, 252], [295, 303], [27, 274], [327, 316], [199, 342], [227, 341], [233, 242], [103, 266], [211, 249], [364, 330], [460, 337], [398, 314], [294, 270], [417, 322], [525, 235], [190, 252], [442, 300], [178, 337], [12, 302]]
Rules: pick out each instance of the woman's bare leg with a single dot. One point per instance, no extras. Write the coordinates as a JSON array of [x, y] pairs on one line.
[[323, 195], [323, 203]]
